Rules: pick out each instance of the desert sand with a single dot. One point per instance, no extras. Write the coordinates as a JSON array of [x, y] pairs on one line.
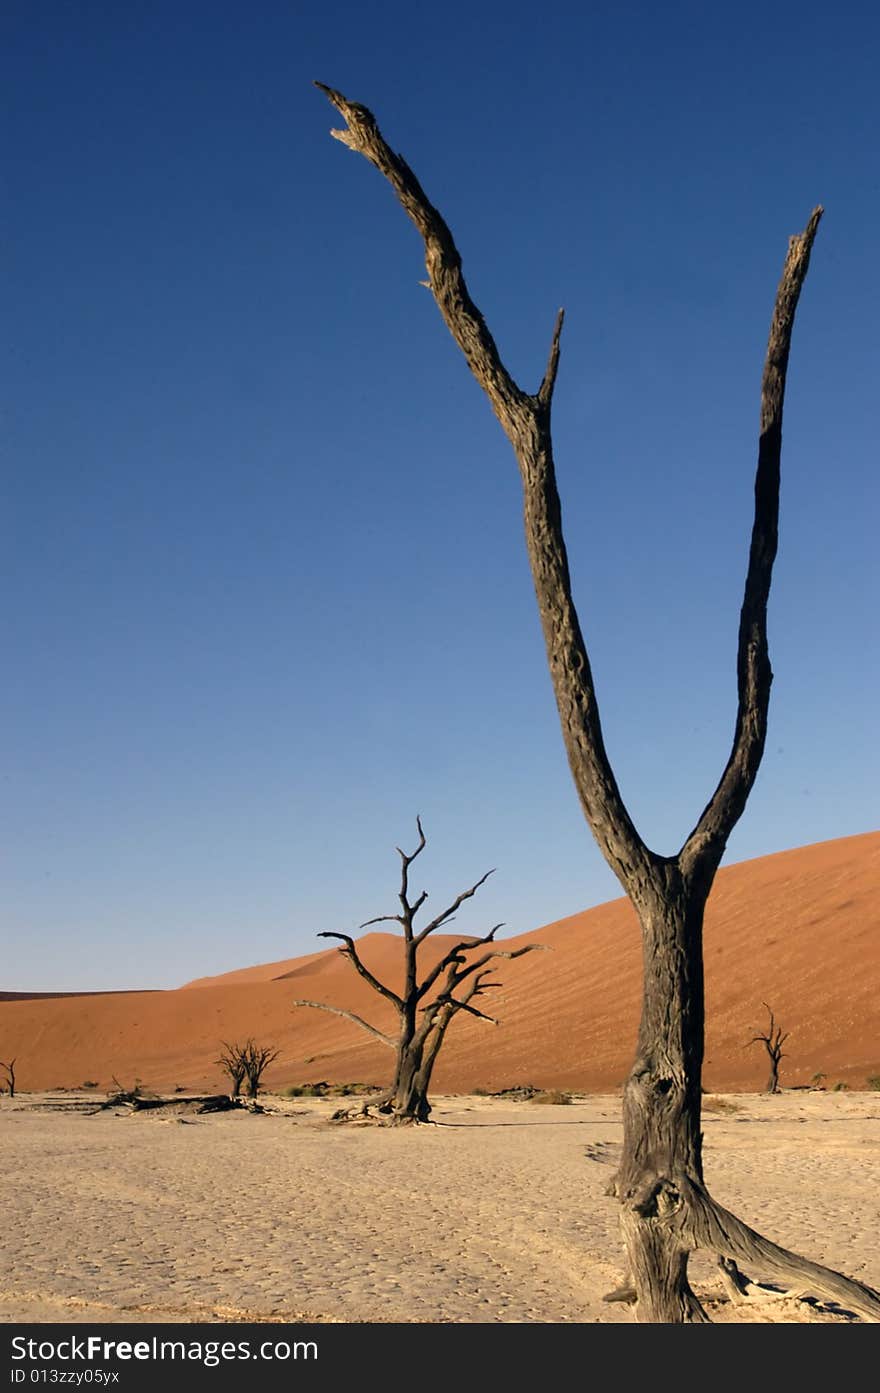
[[497, 1214], [800, 930]]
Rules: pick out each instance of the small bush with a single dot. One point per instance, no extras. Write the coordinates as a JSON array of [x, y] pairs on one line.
[[307, 1090], [551, 1095], [89, 1083], [713, 1103], [873, 1082], [841, 1088]]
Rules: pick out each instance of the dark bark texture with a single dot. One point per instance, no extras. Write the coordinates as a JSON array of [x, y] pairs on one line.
[[666, 1211]]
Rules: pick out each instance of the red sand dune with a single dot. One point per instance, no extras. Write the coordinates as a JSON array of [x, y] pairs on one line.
[[799, 930]]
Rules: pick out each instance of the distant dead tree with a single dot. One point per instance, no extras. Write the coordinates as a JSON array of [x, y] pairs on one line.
[[772, 1039], [424, 1018], [232, 1062], [666, 1211], [257, 1059], [10, 1076]]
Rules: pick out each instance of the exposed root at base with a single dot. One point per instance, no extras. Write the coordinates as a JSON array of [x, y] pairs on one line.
[[626, 1294], [384, 1117], [712, 1226], [683, 1218]]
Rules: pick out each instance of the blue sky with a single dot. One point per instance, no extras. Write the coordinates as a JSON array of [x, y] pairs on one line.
[[265, 592]]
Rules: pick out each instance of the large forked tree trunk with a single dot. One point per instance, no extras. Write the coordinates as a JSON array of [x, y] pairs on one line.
[[661, 1104], [665, 1209], [407, 1098]]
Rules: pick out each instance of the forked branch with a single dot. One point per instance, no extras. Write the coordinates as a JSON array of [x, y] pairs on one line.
[[525, 419], [442, 260], [351, 952], [448, 913], [705, 846]]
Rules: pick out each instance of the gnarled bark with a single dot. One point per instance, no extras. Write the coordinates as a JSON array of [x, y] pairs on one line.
[[665, 1209]]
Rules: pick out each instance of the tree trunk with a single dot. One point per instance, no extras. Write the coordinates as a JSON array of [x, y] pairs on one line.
[[408, 1097], [665, 1209], [773, 1081], [662, 1146]]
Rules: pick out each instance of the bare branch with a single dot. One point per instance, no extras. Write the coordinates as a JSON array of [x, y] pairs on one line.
[[470, 968], [453, 955], [525, 420], [442, 260], [458, 970], [350, 951], [472, 1011], [407, 859], [545, 391], [350, 1016], [705, 845], [456, 904]]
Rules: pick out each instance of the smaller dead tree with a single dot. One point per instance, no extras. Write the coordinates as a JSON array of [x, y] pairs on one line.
[[232, 1062], [10, 1076], [257, 1058], [773, 1038], [426, 1006]]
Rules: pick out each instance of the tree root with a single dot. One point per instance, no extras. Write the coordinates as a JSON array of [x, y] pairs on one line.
[[382, 1117], [735, 1284], [709, 1225], [689, 1219], [625, 1293]]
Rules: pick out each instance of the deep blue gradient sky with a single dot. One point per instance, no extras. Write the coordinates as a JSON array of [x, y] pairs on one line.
[[265, 591]]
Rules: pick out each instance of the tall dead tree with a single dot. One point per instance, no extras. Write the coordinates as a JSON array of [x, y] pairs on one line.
[[426, 1005], [666, 1211], [10, 1076], [772, 1039]]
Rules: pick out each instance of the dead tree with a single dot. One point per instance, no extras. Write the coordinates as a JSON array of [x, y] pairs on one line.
[[424, 1014], [256, 1059], [773, 1039], [233, 1062], [666, 1211], [10, 1075]]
